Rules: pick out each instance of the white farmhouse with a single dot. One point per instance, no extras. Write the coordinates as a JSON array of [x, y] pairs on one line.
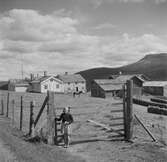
[[45, 83], [73, 83]]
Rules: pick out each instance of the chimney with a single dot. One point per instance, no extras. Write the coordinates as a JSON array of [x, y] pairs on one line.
[[66, 73], [31, 76], [45, 73]]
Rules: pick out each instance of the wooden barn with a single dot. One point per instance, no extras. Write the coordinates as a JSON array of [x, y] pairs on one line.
[[113, 87], [157, 88], [105, 88], [73, 82], [45, 83]]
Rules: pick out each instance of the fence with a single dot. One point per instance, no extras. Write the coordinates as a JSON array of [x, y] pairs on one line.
[[16, 105]]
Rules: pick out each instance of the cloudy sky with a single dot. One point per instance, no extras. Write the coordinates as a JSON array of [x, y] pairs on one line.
[[74, 35]]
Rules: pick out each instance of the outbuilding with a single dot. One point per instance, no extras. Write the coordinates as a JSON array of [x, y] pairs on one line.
[[157, 88], [105, 88], [113, 87]]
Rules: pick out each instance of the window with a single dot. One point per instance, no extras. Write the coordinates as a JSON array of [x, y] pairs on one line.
[[45, 86], [57, 85]]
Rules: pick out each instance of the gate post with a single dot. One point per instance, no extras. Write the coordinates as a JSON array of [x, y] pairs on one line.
[[50, 119], [128, 110]]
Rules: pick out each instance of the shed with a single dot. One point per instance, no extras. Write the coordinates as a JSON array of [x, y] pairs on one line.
[[105, 88], [4, 85], [157, 88], [18, 85]]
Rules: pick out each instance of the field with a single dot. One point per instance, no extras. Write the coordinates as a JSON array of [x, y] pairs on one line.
[[94, 143]]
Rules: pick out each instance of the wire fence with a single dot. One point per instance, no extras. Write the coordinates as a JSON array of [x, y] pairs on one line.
[[16, 105]]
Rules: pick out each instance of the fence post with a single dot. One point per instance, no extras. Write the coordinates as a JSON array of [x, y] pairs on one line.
[[21, 113], [125, 110], [32, 104], [2, 107], [129, 111], [7, 111], [50, 118], [13, 108], [55, 139]]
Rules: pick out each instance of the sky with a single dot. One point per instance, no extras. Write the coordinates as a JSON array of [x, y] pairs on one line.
[[72, 35]]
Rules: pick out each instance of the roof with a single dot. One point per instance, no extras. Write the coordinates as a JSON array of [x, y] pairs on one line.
[[41, 79], [105, 81], [2, 83], [19, 82], [110, 87], [155, 84], [124, 78], [108, 84], [21, 85], [71, 78]]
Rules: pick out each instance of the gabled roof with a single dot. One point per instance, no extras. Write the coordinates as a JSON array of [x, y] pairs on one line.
[[105, 81], [71, 78], [124, 78], [155, 84], [110, 87], [44, 78], [109, 84]]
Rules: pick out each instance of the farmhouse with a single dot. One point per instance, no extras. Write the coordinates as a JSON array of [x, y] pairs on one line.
[[158, 88], [72, 82], [113, 87], [45, 83]]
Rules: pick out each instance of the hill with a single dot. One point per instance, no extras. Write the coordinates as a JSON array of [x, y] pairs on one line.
[[153, 65]]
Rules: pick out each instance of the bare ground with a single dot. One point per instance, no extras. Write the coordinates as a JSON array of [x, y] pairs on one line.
[[89, 142]]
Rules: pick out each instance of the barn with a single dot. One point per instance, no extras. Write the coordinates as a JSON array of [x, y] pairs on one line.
[[105, 88], [113, 87], [157, 88], [73, 82], [46, 83]]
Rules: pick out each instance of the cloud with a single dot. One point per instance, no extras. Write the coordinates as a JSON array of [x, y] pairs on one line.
[[53, 42], [105, 26], [98, 3], [128, 49]]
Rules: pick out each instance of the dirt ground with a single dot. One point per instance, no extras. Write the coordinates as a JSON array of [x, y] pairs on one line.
[[91, 143]]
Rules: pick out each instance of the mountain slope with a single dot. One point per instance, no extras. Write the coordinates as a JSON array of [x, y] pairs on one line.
[[154, 66]]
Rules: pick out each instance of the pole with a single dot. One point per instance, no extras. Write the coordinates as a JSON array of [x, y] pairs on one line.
[[32, 104], [7, 111], [50, 118], [21, 113], [129, 110], [13, 108], [2, 107]]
